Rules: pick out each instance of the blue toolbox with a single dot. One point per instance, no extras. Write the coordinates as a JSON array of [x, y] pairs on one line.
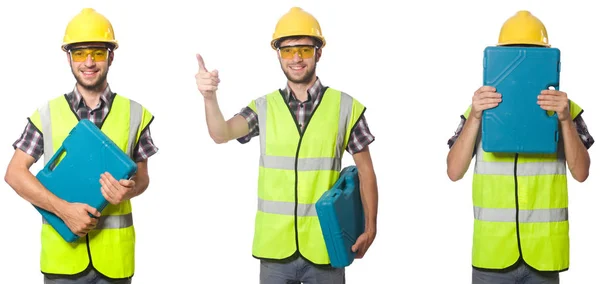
[[518, 124], [341, 215], [73, 172]]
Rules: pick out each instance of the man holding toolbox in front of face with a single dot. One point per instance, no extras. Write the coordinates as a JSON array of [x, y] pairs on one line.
[[521, 230], [105, 251]]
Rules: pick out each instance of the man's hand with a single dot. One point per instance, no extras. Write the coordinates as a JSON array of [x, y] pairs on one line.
[[557, 101], [363, 243], [76, 217], [116, 191], [208, 82], [484, 98]]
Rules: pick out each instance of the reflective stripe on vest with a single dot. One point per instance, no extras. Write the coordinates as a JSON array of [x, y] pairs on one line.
[[286, 208], [135, 118], [111, 221], [303, 164], [525, 216]]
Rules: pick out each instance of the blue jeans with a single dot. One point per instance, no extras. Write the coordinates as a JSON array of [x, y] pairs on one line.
[[523, 274], [92, 277], [299, 271]]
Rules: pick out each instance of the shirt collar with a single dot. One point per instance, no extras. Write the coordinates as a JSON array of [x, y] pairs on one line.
[[77, 98], [313, 92]]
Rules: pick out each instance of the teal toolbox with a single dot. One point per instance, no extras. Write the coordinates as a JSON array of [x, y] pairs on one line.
[[341, 216], [88, 152], [518, 124]]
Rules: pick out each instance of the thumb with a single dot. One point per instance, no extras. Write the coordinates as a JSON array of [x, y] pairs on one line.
[[127, 182], [92, 210], [358, 242], [201, 66]]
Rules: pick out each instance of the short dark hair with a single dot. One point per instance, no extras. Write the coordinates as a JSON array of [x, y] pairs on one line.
[[315, 40]]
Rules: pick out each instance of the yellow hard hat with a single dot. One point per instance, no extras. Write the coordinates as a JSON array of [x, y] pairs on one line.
[[89, 26], [297, 22], [523, 28]]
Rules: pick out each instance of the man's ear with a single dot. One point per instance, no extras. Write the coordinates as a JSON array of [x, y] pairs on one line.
[[110, 58], [68, 57], [319, 51]]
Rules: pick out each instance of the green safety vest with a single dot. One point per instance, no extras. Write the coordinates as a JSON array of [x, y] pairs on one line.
[[109, 248], [295, 169], [520, 208]]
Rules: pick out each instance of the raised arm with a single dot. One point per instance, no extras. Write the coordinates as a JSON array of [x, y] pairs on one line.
[[220, 130]]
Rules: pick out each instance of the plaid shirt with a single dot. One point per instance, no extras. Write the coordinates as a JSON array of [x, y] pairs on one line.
[[582, 130], [359, 138], [31, 141]]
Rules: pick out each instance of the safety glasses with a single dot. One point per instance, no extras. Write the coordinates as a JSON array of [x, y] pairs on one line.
[[97, 53], [303, 51]]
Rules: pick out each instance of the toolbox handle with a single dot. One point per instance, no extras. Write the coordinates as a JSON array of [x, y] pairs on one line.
[[54, 160], [549, 112], [349, 180]]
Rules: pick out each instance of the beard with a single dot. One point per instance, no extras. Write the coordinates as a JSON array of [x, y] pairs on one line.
[[96, 86], [304, 79]]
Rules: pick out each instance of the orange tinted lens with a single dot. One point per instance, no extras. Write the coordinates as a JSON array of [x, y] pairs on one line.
[[81, 55], [304, 52]]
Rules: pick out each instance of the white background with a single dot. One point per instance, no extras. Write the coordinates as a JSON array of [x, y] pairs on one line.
[[415, 68]]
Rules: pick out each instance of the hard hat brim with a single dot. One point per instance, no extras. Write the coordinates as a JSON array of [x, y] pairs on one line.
[[276, 40], [114, 43], [537, 43]]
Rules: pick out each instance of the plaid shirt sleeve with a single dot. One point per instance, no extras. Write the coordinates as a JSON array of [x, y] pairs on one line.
[[452, 139], [360, 137], [582, 130], [252, 119], [145, 147], [31, 141]]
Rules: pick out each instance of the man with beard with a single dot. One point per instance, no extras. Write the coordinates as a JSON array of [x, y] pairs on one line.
[[105, 251], [304, 129]]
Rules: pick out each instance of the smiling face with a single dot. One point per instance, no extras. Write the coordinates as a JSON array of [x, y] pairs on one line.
[[298, 58], [89, 65]]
